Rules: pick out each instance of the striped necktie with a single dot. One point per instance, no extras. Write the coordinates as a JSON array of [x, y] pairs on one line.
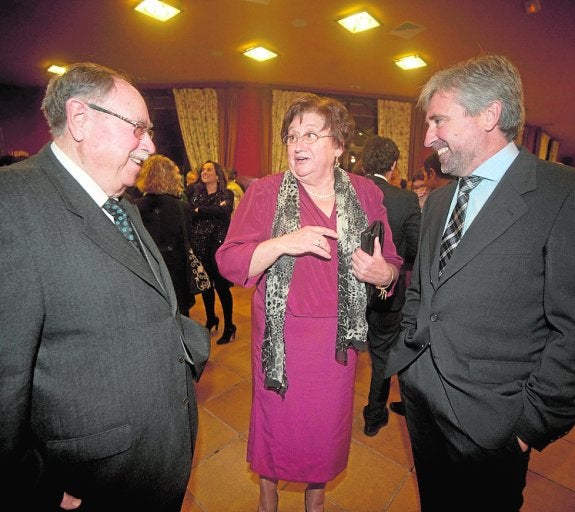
[[454, 230]]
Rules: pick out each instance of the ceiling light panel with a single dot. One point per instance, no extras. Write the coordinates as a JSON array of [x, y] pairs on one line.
[[359, 22], [259, 53], [156, 9], [410, 62], [57, 70]]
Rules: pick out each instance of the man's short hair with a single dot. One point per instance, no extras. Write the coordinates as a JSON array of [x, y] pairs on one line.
[[432, 162], [378, 155]]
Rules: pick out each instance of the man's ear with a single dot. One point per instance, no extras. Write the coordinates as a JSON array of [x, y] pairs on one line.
[[491, 115], [76, 118]]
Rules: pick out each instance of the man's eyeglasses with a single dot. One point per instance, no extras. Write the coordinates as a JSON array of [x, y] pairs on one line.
[[307, 138], [140, 128]]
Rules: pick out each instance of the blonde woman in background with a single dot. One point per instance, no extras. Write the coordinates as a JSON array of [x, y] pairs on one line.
[[165, 217]]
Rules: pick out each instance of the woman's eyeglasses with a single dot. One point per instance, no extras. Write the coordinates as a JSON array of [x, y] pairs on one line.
[[307, 138]]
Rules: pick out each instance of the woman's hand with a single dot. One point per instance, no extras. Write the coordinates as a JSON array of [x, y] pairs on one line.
[[306, 240], [373, 269]]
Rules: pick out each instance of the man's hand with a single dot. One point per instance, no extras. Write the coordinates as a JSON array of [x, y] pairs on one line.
[[524, 447], [69, 502]]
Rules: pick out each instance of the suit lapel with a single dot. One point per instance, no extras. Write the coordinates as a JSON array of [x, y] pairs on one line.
[[95, 225], [504, 207]]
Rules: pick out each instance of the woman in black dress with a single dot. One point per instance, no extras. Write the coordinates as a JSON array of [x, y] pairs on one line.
[[165, 216], [211, 205]]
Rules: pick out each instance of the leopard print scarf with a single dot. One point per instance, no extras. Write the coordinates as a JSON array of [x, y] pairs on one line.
[[352, 301]]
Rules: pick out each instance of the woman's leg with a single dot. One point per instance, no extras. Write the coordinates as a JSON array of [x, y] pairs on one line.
[[268, 495], [314, 497], [227, 301], [209, 298]]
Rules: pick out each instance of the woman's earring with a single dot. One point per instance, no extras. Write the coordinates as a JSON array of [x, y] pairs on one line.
[[336, 165]]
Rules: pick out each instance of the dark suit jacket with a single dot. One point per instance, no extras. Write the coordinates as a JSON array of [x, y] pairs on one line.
[[404, 218], [166, 219], [500, 323], [95, 395]]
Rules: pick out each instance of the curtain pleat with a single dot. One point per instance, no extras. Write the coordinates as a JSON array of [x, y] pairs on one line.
[[228, 123], [281, 101], [198, 116], [394, 122]]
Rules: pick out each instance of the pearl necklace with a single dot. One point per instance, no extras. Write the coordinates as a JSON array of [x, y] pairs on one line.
[[320, 196]]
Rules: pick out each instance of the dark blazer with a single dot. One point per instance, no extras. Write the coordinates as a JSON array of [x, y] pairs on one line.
[[166, 219], [404, 218], [95, 395], [500, 323]]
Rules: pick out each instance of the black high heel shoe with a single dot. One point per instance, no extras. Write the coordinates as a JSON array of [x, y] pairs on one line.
[[212, 322], [228, 335]]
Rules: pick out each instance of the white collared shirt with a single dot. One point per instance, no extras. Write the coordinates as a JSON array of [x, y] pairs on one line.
[[82, 177], [492, 171]]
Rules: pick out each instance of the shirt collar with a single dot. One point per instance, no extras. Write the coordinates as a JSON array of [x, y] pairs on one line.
[[495, 167], [81, 176]]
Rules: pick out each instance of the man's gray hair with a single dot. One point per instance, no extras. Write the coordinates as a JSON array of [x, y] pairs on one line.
[[477, 83], [84, 80]]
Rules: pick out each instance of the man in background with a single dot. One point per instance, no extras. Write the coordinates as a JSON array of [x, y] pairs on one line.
[[418, 186], [433, 177], [379, 159], [487, 347], [97, 402]]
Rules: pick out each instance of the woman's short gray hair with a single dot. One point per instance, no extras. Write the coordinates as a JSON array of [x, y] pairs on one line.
[[338, 120]]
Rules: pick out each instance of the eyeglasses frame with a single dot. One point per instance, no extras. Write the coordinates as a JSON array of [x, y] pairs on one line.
[[140, 128], [298, 137]]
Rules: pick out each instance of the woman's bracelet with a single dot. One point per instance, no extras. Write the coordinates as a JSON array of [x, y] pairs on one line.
[[382, 288], [391, 279]]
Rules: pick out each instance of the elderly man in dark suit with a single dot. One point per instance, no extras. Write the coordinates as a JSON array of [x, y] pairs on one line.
[[487, 347], [379, 160], [97, 402]]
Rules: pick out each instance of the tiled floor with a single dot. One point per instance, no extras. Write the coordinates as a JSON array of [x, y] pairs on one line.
[[380, 474]]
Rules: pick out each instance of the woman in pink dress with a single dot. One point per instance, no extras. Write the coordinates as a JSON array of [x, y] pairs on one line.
[[296, 237]]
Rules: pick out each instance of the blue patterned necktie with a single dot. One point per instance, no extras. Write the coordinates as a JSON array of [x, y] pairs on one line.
[[122, 221], [454, 230]]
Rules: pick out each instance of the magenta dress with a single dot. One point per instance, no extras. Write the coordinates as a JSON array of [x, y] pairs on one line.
[[305, 436]]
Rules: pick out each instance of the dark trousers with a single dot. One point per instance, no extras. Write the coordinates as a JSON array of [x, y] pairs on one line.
[[453, 472], [384, 326]]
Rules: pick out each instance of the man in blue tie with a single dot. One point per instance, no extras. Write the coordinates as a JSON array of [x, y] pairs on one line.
[[487, 347], [96, 364]]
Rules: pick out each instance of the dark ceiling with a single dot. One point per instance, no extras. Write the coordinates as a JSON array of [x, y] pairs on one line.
[[202, 45]]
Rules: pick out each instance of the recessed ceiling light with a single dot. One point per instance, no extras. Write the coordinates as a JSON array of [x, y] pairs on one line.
[[532, 6], [410, 62], [359, 22], [259, 53], [57, 70], [157, 9]]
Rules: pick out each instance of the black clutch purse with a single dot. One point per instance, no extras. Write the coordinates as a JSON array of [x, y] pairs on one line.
[[374, 230]]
